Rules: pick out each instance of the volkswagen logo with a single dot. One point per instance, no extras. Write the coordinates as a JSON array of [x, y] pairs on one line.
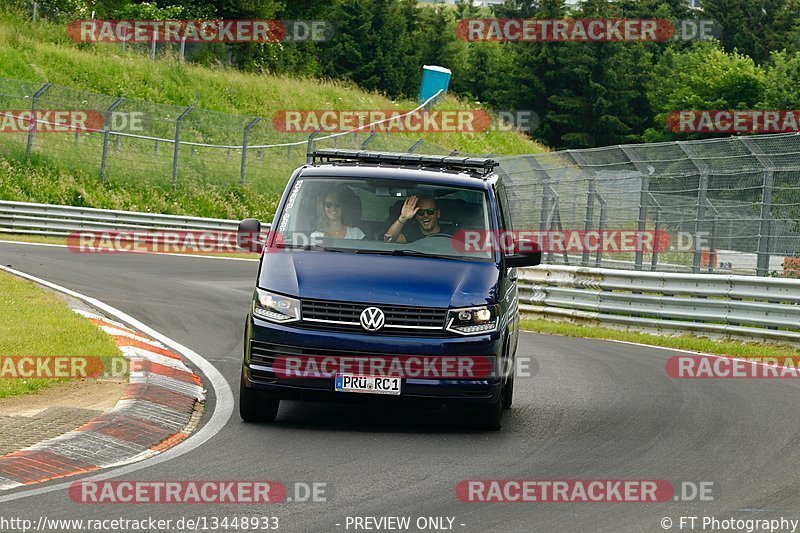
[[372, 319]]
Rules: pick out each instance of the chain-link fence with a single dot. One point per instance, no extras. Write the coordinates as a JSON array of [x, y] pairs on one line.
[[728, 205], [124, 139]]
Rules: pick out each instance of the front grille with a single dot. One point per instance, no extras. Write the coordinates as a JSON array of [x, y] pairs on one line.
[[400, 320], [265, 355]]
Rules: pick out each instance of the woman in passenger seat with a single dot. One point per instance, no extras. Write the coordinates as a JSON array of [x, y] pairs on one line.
[[333, 217]]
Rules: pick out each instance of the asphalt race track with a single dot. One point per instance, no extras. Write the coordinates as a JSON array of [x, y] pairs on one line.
[[593, 410]]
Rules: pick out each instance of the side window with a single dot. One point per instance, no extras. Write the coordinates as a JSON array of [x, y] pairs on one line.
[[502, 202]]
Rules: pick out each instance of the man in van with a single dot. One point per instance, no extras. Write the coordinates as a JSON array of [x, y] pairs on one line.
[[427, 216]]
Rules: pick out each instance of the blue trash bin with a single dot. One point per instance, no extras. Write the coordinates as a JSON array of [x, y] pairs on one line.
[[434, 79]]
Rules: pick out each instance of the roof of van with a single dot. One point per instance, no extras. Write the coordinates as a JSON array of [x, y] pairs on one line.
[[400, 173]]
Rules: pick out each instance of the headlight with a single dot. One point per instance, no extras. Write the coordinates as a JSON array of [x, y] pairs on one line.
[[472, 320], [274, 307]]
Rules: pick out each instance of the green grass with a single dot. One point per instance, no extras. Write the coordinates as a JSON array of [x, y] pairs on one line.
[[66, 169], [684, 342], [36, 322], [47, 182]]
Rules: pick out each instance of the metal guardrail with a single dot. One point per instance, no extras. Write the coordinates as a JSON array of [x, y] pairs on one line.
[[713, 305], [60, 221]]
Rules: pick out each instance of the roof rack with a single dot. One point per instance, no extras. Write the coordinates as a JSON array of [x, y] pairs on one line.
[[477, 165]]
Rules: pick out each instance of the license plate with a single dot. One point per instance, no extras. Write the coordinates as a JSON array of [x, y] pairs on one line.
[[367, 384]]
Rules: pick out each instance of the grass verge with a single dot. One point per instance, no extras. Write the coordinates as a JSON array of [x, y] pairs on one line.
[[35, 322], [684, 342]]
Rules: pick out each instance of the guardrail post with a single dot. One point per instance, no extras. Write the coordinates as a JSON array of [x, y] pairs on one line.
[[153, 48], [35, 11], [155, 150], [244, 148], [765, 227], [177, 145], [107, 137], [310, 147], [34, 121], [413, 147]]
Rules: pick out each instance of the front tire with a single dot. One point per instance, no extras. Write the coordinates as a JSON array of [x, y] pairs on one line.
[[508, 394], [489, 416], [253, 407]]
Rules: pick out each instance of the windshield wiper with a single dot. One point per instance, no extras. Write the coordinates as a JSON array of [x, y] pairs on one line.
[[311, 247], [404, 252]]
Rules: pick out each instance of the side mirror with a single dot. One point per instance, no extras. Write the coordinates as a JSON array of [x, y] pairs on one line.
[[526, 253], [248, 235]]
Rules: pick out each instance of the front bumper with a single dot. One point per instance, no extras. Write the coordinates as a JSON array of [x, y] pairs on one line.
[[264, 339]]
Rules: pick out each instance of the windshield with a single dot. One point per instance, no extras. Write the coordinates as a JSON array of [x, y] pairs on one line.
[[360, 215]]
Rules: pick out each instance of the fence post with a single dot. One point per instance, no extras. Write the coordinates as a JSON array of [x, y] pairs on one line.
[[244, 149], [177, 145], [416, 145], [34, 121], [702, 191], [153, 47], [368, 140], [35, 11], [183, 49], [590, 196], [310, 147], [598, 259], [644, 203], [657, 228], [107, 137], [765, 227]]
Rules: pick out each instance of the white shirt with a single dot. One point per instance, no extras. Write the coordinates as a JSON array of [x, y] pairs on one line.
[[352, 233]]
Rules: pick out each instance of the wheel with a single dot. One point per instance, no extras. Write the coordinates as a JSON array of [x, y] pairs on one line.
[[253, 407], [508, 393], [488, 416]]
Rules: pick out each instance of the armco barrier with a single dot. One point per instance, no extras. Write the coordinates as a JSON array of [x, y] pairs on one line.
[[740, 307], [59, 220]]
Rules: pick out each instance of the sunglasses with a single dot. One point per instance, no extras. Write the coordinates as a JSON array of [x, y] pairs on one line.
[[429, 211], [330, 204]]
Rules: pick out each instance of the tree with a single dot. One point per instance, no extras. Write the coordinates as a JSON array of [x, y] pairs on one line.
[[372, 45], [755, 27], [703, 77]]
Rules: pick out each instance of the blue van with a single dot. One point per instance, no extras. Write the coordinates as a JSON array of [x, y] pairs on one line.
[[376, 285]]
